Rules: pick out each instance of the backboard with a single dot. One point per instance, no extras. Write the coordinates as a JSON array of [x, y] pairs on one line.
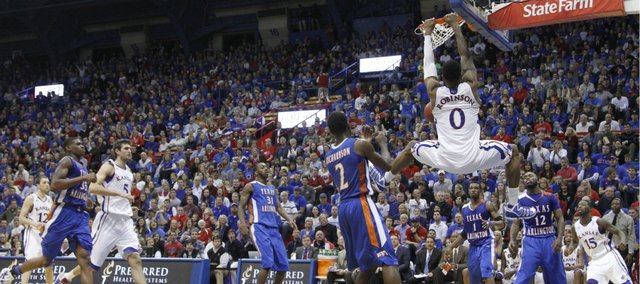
[[478, 18]]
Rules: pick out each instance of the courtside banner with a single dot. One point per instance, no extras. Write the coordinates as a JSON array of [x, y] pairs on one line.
[[300, 272], [533, 13], [117, 271]]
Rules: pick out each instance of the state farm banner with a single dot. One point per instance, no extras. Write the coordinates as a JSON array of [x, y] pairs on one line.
[[300, 272], [115, 270], [533, 13]]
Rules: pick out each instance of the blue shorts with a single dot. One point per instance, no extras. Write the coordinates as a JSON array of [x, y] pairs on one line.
[[366, 238], [68, 222], [539, 252], [269, 243], [481, 259]]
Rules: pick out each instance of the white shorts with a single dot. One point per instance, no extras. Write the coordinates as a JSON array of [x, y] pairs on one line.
[[489, 154], [610, 267], [111, 230], [570, 276], [32, 243]]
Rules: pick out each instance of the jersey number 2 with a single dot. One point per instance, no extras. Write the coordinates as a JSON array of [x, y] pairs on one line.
[[343, 183], [452, 118]]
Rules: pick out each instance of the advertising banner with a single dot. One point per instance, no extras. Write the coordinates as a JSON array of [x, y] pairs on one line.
[[156, 270], [533, 13], [300, 272]]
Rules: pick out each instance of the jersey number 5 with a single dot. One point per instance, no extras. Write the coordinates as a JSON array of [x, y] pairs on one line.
[[343, 183]]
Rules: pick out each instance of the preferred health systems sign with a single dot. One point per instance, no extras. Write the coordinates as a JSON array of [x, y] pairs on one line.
[[300, 272], [115, 270]]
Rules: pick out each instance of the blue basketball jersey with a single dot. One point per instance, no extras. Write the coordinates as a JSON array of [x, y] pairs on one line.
[[472, 220], [76, 195], [262, 208], [348, 170], [542, 225]]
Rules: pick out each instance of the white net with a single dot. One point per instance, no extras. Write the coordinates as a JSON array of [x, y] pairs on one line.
[[440, 34]]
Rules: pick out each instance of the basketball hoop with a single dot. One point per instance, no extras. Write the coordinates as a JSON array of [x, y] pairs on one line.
[[441, 31]]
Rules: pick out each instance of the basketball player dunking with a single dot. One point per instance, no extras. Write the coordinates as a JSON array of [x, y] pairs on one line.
[[455, 109]]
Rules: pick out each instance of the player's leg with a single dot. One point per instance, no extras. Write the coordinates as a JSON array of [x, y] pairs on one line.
[[280, 259], [578, 276], [465, 276], [365, 275], [487, 257], [129, 247], [260, 236], [102, 243], [54, 235], [552, 265], [81, 239], [390, 274], [531, 252], [135, 262], [618, 272], [48, 274], [24, 278], [473, 272], [32, 249]]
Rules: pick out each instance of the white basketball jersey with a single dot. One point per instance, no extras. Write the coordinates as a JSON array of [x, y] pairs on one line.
[[594, 243], [572, 258], [456, 116], [121, 181], [41, 208], [512, 261]]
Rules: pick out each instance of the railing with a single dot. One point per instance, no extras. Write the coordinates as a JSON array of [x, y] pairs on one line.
[[342, 73]]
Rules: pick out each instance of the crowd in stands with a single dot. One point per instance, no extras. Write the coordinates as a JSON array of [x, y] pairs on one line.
[[567, 95]]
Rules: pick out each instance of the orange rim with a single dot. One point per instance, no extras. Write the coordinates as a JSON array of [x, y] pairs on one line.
[[441, 21]]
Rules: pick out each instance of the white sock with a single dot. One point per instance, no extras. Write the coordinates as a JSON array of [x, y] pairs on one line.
[[512, 195]]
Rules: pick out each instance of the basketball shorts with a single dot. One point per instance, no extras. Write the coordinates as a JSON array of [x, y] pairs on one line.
[[489, 154], [112, 230], [481, 258], [32, 243], [366, 238], [610, 267], [538, 251], [68, 222], [269, 243]]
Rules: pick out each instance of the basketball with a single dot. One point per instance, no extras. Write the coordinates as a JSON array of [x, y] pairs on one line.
[[428, 112]]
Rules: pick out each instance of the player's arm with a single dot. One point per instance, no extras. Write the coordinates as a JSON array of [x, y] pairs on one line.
[[605, 226], [365, 149], [513, 233], [429, 62], [559, 218], [469, 73], [404, 158], [27, 205], [244, 199], [106, 170], [497, 222], [579, 258], [59, 180]]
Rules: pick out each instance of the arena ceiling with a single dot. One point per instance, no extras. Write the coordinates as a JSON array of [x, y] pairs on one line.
[[63, 25]]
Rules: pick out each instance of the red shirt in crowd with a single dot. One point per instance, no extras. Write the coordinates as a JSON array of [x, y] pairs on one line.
[[173, 249]]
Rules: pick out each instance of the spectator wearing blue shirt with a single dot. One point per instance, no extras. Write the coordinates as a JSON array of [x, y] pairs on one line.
[[219, 208], [457, 225], [300, 201]]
